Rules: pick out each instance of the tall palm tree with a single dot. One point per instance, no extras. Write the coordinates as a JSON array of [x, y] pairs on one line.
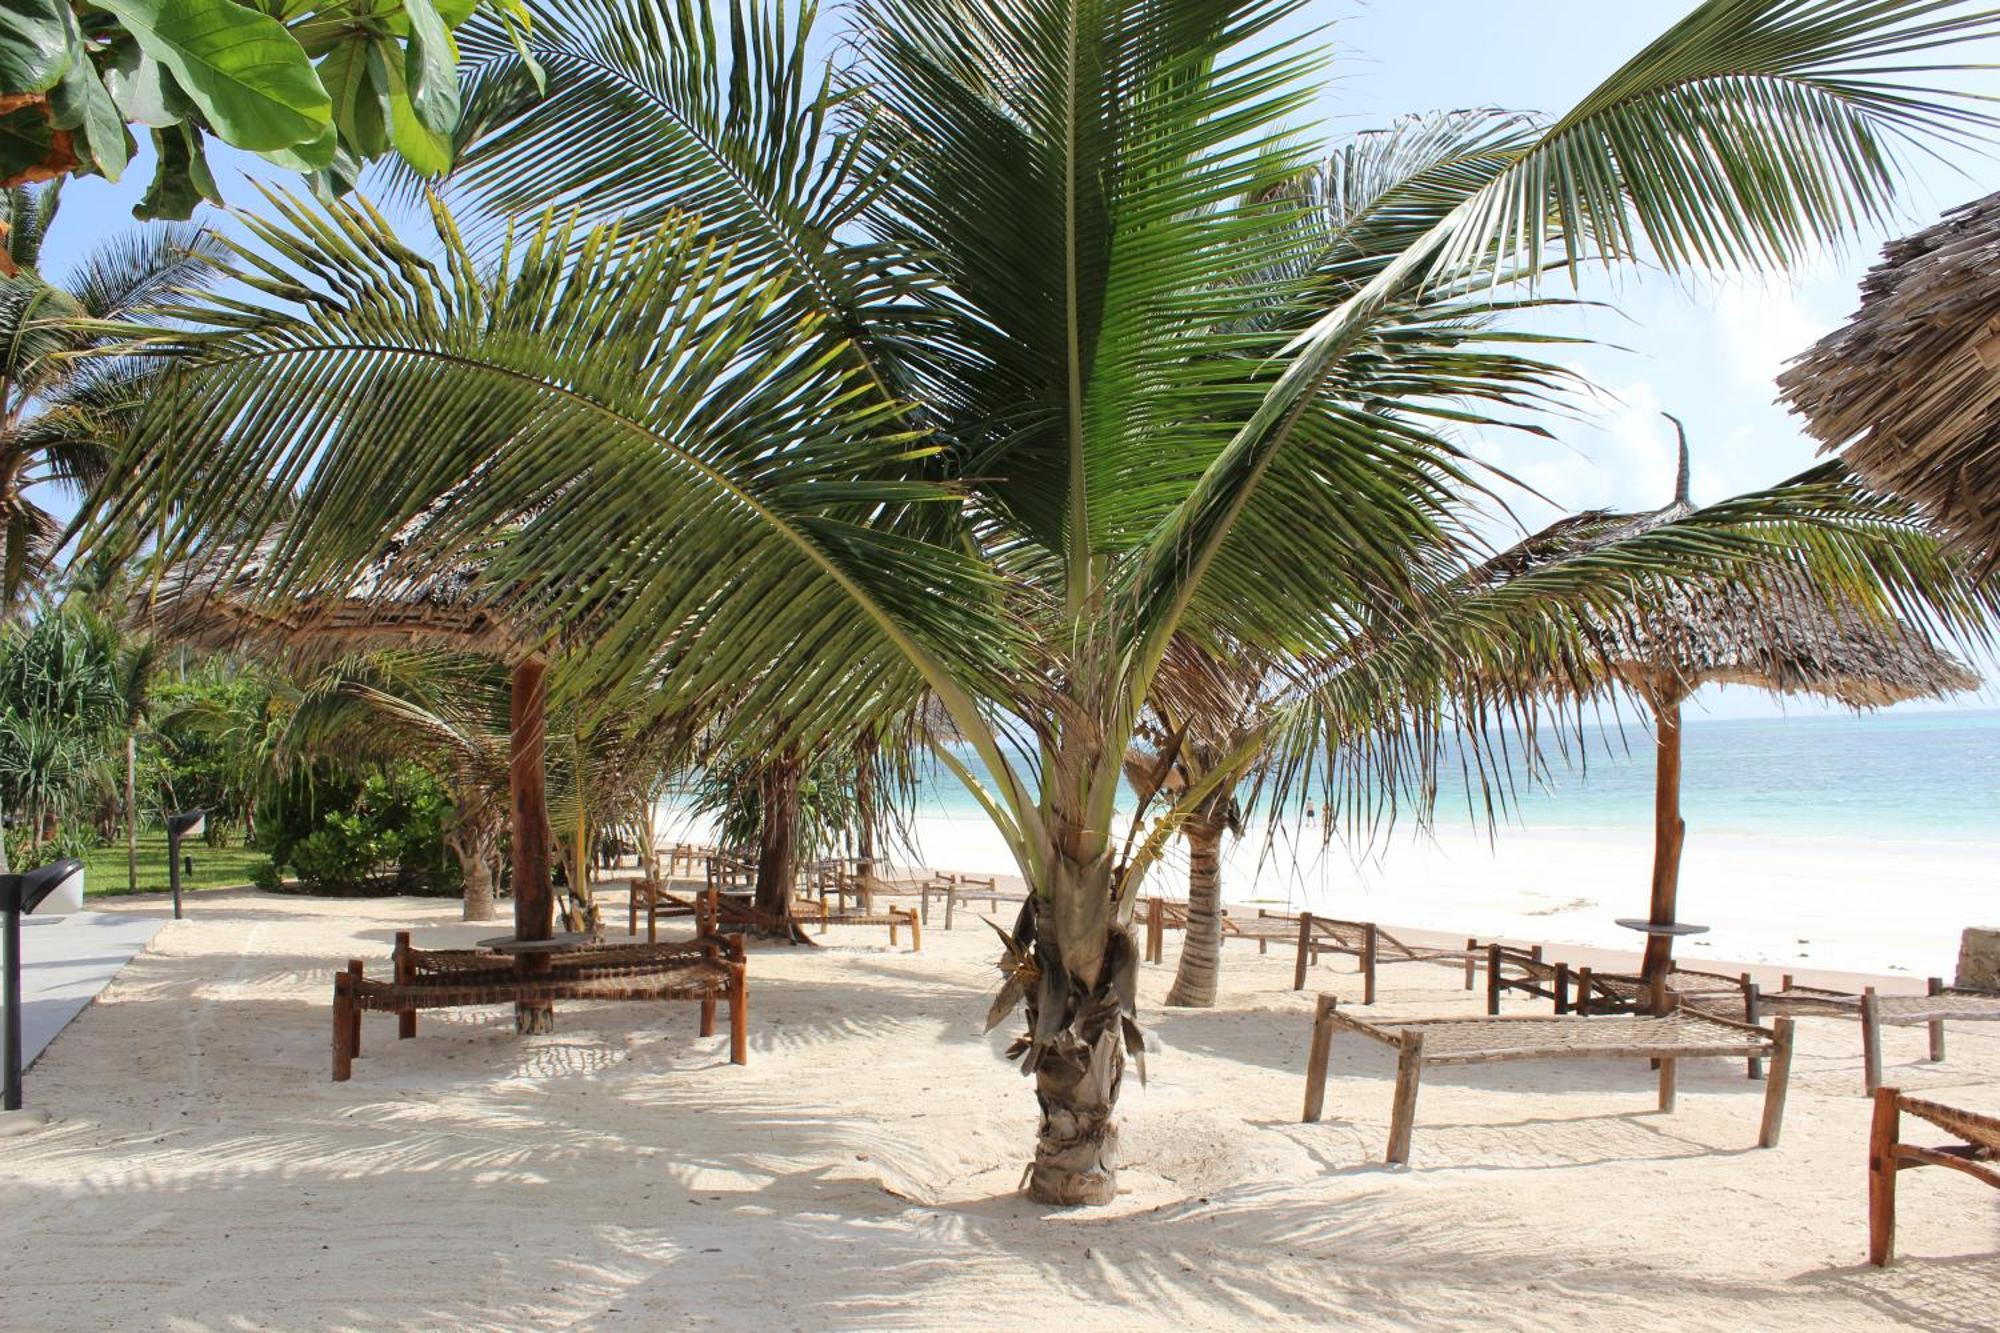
[[61, 410], [988, 420]]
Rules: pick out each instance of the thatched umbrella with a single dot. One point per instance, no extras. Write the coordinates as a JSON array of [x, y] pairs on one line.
[[1787, 637], [1909, 389], [394, 604]]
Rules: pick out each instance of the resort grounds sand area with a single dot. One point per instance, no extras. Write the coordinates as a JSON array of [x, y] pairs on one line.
[[201, 1171]]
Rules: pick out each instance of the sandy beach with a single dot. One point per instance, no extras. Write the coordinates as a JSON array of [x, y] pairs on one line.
[[202, 1172]]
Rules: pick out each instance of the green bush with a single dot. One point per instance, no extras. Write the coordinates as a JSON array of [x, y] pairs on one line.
[[390, 839]]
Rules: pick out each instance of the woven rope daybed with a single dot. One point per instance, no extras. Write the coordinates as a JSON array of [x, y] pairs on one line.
[[1942, 1004], [1668, 1038], [1372, 947], [1164, 914], [706, 970], [1888, 1157]]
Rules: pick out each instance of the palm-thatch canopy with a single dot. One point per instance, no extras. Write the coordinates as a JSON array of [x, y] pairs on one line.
[[220, 602], [1909, 389], [1782, 635]]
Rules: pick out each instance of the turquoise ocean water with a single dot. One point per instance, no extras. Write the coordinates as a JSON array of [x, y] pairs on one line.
[[1915, 775]]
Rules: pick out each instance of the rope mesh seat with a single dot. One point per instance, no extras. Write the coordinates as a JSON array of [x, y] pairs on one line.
[[1668, 1038], [1973, 1155], [706, 970], [1165, 914], [1953, 1003]]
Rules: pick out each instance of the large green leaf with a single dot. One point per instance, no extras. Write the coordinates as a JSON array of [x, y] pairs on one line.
[[358, 105], [145, 92], [430, 68], [87, 111], [248, 75], [181, 179], [26, 139], [37, 43]]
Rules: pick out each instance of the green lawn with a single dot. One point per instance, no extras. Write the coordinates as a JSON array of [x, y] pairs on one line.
[[104, 867]]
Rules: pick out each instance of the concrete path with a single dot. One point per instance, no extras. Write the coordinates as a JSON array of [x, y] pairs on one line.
[[67, 960]]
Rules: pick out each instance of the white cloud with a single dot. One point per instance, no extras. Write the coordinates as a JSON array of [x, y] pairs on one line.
[[1760, 325]]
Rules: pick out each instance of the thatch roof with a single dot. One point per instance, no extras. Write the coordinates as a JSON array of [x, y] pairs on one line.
[[1788, 637], [219, 603], [1909, 389]]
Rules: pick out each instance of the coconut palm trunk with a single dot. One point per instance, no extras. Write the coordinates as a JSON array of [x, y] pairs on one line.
[[777, 837], [1201, 947], [132, 811]]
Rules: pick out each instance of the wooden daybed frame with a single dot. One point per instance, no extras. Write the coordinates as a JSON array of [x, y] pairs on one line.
[[1165, 914], [1941, 1003], [1586, 990], [706, 970], [1888, 1157], [1669, 1038], [1372, 947]]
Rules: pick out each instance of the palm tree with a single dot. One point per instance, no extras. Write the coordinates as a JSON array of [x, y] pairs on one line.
[[989, 420], [444, 712], [61, 411]]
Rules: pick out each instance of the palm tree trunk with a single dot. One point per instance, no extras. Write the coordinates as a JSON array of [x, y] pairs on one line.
[[132, 811], [1201, 947], [477, 869], [534, 901], [777, 861]]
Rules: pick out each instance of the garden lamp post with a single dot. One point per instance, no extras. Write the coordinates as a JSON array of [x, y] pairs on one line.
[[58, 888], [185, 824]]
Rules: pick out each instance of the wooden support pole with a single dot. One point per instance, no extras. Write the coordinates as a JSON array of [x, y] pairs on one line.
[[1493, 979], [1316, 1059], [1561, 984], [534, 901], [916, 931], [1871, 1040], [1305, 950], [343, 1023], [354, 970], [1403, 1111], [950, 902], [1669, 831], [1471, 961], [1582, 1002], [1668, 1071], [1936, 987], [406, 972], [1883, 1131], [1156, 929], [1780, 1083], [1753, 1015], [1368, 943], [739, 1013], [708, 1014]]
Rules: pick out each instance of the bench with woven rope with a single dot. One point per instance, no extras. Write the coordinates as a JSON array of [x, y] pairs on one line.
[[1164, 914], [659, 901], [1372, 947], [1975, 1154], [716, 912], [1667, 1038], [1940, 1003], [706, 970]]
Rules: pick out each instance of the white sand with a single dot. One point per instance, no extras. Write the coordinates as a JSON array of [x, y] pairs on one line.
[[202, 1172]]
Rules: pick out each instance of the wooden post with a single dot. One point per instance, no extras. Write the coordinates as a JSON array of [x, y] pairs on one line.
[[1471, 961], [1156, 929], [1667, 1072], [950, 900], [1316, 1058], [1936, 987], [1582, 1002], [1403, 1111], [1871, 1040], [1780, 1083], [1561, 984], [653, 912], [1305, 950], [1882, 1136], [739, 1013], [1753, 1015], [1492, 979], [632, 910], [406, 972], [354, 968], [1368, 942], [534, 902], [916, 931], [1669, 829], [343, 1023]]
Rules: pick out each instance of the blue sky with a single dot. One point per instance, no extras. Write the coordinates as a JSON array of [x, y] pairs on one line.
[[1703, 348]]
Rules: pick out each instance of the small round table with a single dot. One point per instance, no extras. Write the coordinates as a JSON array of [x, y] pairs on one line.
[[1671, 930], [567, 942]]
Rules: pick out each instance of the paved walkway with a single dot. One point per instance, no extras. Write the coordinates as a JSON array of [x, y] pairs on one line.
[[67, 960]]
